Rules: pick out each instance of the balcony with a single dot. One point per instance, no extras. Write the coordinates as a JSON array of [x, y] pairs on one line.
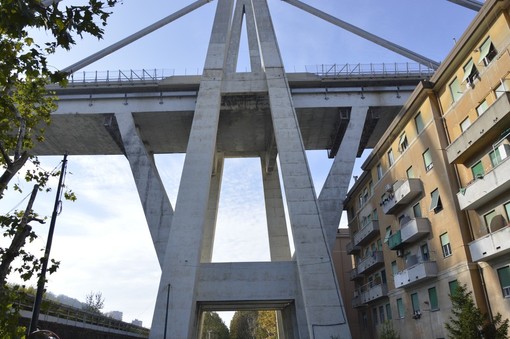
[[487, 127], [402, 194], [395, 241], [373, 261], [369, 293], [491, 246], [367, 233], [354, 275], [417, 273], [351, 249], [486, 188]]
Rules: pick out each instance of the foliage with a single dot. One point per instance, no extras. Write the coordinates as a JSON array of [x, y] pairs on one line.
[[214, 327], [25, 107], [467, 321], [388, 332], [94, 302], [9, 308], [253, 325]]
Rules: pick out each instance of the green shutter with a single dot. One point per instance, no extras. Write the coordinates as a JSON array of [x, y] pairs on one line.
[[400, 308], [484, 49], [455, 90], [468, 69], [504, 276], [477, 170], [433, 299], [415, 301], [454, 285]]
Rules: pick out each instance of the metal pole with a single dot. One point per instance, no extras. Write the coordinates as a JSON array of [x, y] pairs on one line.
[[166, 314], [126, 41], [366, 35], [42, 278]]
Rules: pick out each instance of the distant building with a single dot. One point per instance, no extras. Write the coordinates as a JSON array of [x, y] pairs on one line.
[[117, 315], [431, 209], [137, 322]]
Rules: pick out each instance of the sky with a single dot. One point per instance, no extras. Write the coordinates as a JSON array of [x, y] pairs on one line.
[[102, 239]]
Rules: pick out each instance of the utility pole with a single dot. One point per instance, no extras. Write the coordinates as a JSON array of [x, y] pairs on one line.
[[42, 277]]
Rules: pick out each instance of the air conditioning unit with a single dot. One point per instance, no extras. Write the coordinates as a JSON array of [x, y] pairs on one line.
[[400, 253]]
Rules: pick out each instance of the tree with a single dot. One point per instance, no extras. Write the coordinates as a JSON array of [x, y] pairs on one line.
[[25, 106], [467, 321], [388, 332], [266, 325], [243, 325], [94, 302], [214, 327]]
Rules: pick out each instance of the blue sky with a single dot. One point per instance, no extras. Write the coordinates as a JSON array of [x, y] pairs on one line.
[[102, 239]]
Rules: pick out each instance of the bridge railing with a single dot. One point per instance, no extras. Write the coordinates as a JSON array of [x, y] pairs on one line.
[[323, 70], [407, 69], [72, 314]]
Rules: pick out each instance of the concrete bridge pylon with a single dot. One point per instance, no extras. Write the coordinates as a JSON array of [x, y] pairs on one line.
[[304, 288]]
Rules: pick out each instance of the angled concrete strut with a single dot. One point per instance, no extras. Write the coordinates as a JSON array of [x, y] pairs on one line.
[[471, 4]]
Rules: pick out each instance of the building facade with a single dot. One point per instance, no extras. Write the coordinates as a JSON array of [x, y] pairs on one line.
[[431, 209]]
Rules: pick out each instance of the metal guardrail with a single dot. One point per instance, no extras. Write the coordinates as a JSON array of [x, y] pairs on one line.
[[407, 69], [380, 70], [69, 313]]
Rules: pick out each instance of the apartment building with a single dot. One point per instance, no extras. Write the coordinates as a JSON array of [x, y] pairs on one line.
[[431, 209]]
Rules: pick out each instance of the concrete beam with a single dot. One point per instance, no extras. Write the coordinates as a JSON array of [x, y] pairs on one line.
[[471, 4]]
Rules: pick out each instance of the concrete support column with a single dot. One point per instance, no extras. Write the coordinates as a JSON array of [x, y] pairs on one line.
[[156, 205], [336, 185], [322, 303], [275, 213], [212, 211], [176, 314]]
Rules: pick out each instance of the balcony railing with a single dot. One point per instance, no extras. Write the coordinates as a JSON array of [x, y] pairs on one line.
[[489, 124], [401, 194], [491, 246], [486, 187], [351, 249], [367, 233], [371, 292], [395, 241], [417, 273], [411, 231], [355, 275], [371, 262]]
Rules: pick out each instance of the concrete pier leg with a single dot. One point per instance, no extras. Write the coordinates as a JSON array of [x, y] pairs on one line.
[[336, 185], [322, 302], [156, 205], [275, 213], [212, 211], [176, 314]]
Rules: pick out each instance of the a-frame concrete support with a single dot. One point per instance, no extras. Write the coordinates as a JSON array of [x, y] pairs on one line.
[[310, 303]]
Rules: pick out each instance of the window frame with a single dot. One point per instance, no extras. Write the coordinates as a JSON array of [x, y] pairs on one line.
[[464, 124], [419, 123], [446, 246], [482, 107], [391, 157], [477, 170], [470, 71], [400, 308], [505, 290], [403, 144], [455, 91], [415, 302], [433, 300], [487, 52], [435, 201], [427, 156], [379, 170]]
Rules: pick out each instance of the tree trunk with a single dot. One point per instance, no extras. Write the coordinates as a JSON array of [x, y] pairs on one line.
[[19, 239], [11, 171]]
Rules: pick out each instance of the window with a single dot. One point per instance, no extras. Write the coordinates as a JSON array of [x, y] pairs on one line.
[[470, 72], [410, 173], [455, 90], [379, 244], [495, 157], [434, 304], [465, 124], [416, 302], [403, 144], [507, 209], [418, 122], [445, 245], [425, 255], [500, 90], [394, 267], [477, 170], [388, 312], [435, 201], [374, 215], [453, 285], [391, 160], [400, 308], [381, 314], [488, 218], [504, 280], [379, 172], [388, 234], [417, 210], [374, 315], [487, 52], [427, 160], [482, 107], [370, 188]]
